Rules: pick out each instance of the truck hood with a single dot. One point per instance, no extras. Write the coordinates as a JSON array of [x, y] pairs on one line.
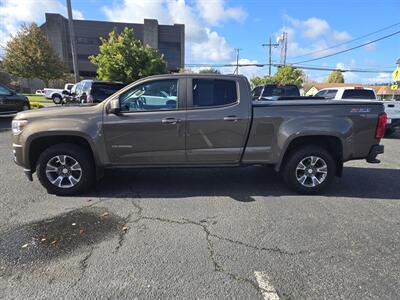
[[59, 111]]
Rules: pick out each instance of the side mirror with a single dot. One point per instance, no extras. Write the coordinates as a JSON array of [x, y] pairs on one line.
[[65, 92], [114, 107]]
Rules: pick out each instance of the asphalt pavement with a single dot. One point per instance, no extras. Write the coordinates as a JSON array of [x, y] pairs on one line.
[[202, 234]]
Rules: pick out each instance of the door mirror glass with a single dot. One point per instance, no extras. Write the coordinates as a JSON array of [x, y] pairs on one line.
[[114, 107]]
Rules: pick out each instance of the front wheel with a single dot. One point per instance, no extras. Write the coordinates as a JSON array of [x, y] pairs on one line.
[[309, 170], [65, 169]]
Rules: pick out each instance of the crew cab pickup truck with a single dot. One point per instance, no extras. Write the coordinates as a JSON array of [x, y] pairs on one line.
[[199, 121], [392, 108], [56, 94]]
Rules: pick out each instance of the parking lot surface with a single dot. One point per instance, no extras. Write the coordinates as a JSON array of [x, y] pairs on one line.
[[202, 234]]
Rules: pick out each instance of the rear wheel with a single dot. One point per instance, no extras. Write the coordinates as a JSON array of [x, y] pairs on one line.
[[57, 99], [65, 169], [309, 170]]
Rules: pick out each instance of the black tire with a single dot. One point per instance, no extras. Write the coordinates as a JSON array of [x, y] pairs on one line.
[[57, 99], [78, 154], [291, 170], [25, 106]]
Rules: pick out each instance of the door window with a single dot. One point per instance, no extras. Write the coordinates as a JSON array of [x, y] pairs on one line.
[[150, 96], [209, 92]]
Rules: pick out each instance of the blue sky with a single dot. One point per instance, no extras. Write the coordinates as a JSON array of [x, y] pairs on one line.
[[215, 27]]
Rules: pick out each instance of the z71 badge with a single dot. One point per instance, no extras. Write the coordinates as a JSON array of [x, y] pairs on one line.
[[360, 110]]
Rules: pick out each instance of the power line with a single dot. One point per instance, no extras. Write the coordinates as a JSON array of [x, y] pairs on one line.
[[347, 42], [294, 66], [350, 49]]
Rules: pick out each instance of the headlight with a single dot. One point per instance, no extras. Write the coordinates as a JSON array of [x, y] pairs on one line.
[[18, 125]]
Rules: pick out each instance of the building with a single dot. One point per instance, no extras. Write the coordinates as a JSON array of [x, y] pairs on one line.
[[169, 39]]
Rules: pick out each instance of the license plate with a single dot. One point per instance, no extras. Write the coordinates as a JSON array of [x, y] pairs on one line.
[[389, 121]]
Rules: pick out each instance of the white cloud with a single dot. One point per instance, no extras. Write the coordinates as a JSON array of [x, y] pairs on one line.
[[203, 44], [214, 48], [315, 33], [214, 11], [380, 78], [14, 13]]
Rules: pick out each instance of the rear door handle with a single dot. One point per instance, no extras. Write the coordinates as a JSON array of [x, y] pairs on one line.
[[170, 121], [231, 118]]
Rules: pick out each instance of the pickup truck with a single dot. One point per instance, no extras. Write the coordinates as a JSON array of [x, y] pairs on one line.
[[56, 94], [392, 108], [203, 121]]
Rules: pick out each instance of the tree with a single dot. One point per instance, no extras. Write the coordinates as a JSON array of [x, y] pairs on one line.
[[124, 58], [261, 80], [209, 71], [289, 75], [29, 54], [335, 77]]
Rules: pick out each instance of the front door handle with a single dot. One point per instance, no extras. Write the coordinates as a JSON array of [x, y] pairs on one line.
[[170, 121], [231, 118]]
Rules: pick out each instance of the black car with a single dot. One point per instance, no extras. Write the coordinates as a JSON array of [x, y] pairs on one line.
[[271, 91], [94, 91], [11, 102]]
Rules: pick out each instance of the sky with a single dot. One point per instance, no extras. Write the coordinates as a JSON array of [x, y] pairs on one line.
[[214, 28]]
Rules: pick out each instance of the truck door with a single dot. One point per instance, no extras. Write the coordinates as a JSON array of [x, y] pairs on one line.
[[217, 121], [151, 126]]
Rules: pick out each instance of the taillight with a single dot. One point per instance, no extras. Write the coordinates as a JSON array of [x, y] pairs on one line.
[[381, 127]]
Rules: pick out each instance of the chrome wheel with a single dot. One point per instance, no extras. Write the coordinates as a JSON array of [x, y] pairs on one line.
[[63, 171], [311, 171]]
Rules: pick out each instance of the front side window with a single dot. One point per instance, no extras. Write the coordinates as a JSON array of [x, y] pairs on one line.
[[330, 94], [257, 92], [149, 96], [213, 92], [320, 94]]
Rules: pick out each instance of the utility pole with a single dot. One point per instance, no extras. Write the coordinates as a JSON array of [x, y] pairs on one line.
[[270, 45], [73, 42], [237, 61], [283, 41]]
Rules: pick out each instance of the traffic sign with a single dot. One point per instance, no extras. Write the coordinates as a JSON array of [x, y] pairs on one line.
[[396, 74], [394, 87]]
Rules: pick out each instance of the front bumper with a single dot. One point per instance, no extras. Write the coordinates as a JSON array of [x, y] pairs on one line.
[[18, 159], [374, 152]]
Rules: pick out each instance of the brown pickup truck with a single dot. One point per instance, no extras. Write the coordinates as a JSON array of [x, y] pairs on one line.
[[191, 120]]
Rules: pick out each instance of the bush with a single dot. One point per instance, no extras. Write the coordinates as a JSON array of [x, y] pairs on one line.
[[36, 105]]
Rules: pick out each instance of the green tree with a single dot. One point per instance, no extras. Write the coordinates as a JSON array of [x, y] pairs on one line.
[[209, 71], [335, 77], [29, 54], [289, 75], [124, 58], [261, 80]]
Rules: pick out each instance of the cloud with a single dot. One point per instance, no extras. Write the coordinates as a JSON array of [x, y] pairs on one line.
[[316, 33], [380, 78], [203, 43], [14, 13], [214, 48], [214, 11]]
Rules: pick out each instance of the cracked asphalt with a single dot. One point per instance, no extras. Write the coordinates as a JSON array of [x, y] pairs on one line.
[[201, 234]]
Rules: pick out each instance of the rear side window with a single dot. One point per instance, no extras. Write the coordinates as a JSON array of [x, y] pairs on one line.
[[328, 94], [213, 92], [358, 94]]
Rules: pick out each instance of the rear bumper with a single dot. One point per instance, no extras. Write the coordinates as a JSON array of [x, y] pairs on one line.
[[374, 152]]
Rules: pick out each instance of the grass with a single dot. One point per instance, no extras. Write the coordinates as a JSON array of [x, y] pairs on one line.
[[37, 98], [35, 105]]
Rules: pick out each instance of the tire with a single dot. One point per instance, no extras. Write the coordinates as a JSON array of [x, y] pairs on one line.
[[389, 131], [63, 157], [25, 106], [57, 99], [323, 170]]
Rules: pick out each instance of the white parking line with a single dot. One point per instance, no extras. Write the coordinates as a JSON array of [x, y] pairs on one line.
[[268, 291]]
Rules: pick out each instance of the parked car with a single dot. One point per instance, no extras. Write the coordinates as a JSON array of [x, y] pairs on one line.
[[203, 120], [39, 92], [94, 91], [56, 94], [392, 108], [272, 91], [11, 102]]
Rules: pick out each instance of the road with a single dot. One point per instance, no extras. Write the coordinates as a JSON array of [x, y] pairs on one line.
[[202, 234]]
